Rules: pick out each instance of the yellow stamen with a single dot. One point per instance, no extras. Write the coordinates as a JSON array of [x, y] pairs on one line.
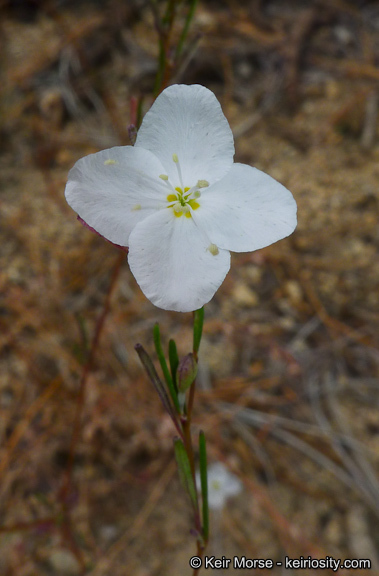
[[213, 249], [183, 199], [194, 205], [110, 161]]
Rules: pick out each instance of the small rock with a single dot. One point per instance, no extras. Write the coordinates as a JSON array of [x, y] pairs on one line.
[[109, 532], [294, 291], [245, 296], [64, 562], [334, 532]]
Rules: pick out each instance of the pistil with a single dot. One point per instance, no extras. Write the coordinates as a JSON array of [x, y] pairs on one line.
[[176, 160]]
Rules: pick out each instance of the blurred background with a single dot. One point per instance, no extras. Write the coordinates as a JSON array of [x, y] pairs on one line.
[[289, 366]]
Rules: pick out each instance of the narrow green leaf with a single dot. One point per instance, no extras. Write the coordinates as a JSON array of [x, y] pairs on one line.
[[174, 360], [204, 483], [198, 320], [183, 36], [165, 370], [157, 383], [81, 350], [184, 469], [161, 67], [169, 15]]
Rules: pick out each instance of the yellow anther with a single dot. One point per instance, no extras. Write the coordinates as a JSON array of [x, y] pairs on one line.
[[163, 177], [179, 210], [183, 199], [213, 249], [202, 183], [110, 161], [194, 205], [136, 207]]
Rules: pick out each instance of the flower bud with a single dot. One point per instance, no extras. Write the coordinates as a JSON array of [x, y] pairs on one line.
[[132, 132], [187, 371]]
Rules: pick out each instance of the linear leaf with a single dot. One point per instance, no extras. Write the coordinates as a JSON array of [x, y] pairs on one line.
[[157, 383], [198, 320], [174, 360], [204, 483], [184, 469], [165, 370]]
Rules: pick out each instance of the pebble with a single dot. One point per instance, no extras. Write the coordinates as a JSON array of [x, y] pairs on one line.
[[63, 562], [244, 296]]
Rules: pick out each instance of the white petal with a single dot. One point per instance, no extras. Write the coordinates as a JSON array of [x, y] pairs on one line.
[[115, 189], [221, 485], [233, 486], [246, 210], [188, 121], [216, 499], [170, 260]]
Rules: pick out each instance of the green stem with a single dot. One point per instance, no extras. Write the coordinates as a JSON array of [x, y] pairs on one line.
[[164, 29], [204, 484], [201, 528], [187, 441], [187, 24]]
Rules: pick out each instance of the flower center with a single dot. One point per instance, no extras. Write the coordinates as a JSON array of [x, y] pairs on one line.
[[183, 199], [215, 485]]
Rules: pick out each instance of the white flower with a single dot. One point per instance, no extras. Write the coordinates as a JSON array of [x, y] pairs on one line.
[[222, 484], [178, 201]]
